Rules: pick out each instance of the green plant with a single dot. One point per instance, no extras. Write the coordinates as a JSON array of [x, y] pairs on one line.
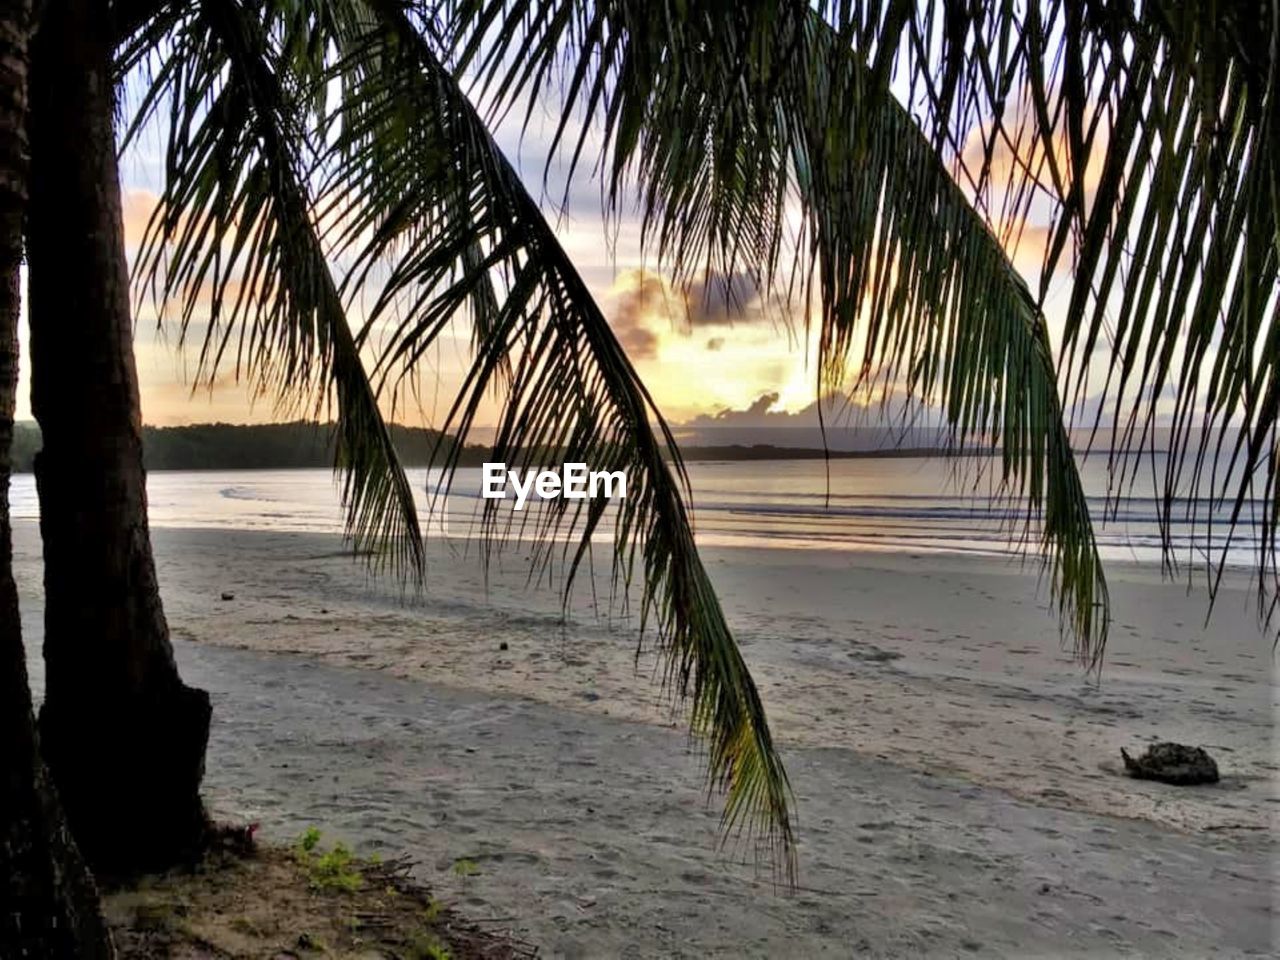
[[463, 867], [817, 177], [335, 869], [308, 840], [424, 945]]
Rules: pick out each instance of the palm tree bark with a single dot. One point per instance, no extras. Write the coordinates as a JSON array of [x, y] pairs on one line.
[[50, 903], [123, 736]]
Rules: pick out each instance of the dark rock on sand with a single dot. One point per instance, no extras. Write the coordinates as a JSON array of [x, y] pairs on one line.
[[1173, 763]]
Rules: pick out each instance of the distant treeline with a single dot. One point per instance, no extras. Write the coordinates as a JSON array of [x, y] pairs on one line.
[[227, 446], [276, 446]]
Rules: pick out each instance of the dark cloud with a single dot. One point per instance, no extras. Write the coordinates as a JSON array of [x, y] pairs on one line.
[[639, 342], [722, 299], [628, 317], [648, 303], [760, 413]]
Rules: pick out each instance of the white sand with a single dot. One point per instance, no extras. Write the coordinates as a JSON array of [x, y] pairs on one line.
[[956, 773]]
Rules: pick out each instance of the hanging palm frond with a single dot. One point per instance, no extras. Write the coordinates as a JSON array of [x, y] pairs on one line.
[[727, 122], [268, 184], [439, 203], [1146, 136], [232, 242]]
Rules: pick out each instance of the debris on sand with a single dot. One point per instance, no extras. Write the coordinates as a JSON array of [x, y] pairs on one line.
[[1173, 763], [247, 899]]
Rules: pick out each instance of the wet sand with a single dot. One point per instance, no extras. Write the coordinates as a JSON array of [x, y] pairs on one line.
[[955, 772]]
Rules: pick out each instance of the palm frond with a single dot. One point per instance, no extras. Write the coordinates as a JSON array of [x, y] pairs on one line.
[[444, 214], [1147, 134], [234, 243], [726, 125], [427, 216], [909, 272]]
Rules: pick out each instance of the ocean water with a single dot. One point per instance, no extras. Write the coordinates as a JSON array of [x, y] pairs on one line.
[[900, 504]]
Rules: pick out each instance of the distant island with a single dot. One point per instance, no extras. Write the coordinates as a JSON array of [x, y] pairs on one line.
[[267, 446], [301, 444]]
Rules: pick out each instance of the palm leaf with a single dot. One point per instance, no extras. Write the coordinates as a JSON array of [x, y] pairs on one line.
[[444, 211], [234, 243], [1153, 144], [1155, 139], [725, 124], [429, 219]]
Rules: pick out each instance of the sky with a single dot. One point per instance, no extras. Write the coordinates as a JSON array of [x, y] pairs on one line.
[[714, 356], [719, 353]]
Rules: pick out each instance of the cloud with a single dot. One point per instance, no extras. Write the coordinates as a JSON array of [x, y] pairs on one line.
[[642, 295], [759, 413], [1023, 149], [722, 299], [1020, 219], [848, 426], [646, 309]]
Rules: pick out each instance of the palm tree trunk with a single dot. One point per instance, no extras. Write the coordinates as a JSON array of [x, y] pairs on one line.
[[123, 736], [50, 903]]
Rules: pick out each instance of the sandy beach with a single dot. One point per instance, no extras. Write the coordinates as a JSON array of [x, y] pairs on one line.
[[956, 772]]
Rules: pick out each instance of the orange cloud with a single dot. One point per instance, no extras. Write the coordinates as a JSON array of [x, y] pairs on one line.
[[639, 303]]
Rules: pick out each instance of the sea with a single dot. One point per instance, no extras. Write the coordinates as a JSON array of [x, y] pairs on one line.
[[907, 503]]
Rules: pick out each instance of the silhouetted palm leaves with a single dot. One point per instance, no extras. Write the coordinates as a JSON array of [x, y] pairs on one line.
[[869, 164]]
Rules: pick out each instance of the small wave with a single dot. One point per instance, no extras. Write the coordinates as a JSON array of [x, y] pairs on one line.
[[243, 493], [939, 511]]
